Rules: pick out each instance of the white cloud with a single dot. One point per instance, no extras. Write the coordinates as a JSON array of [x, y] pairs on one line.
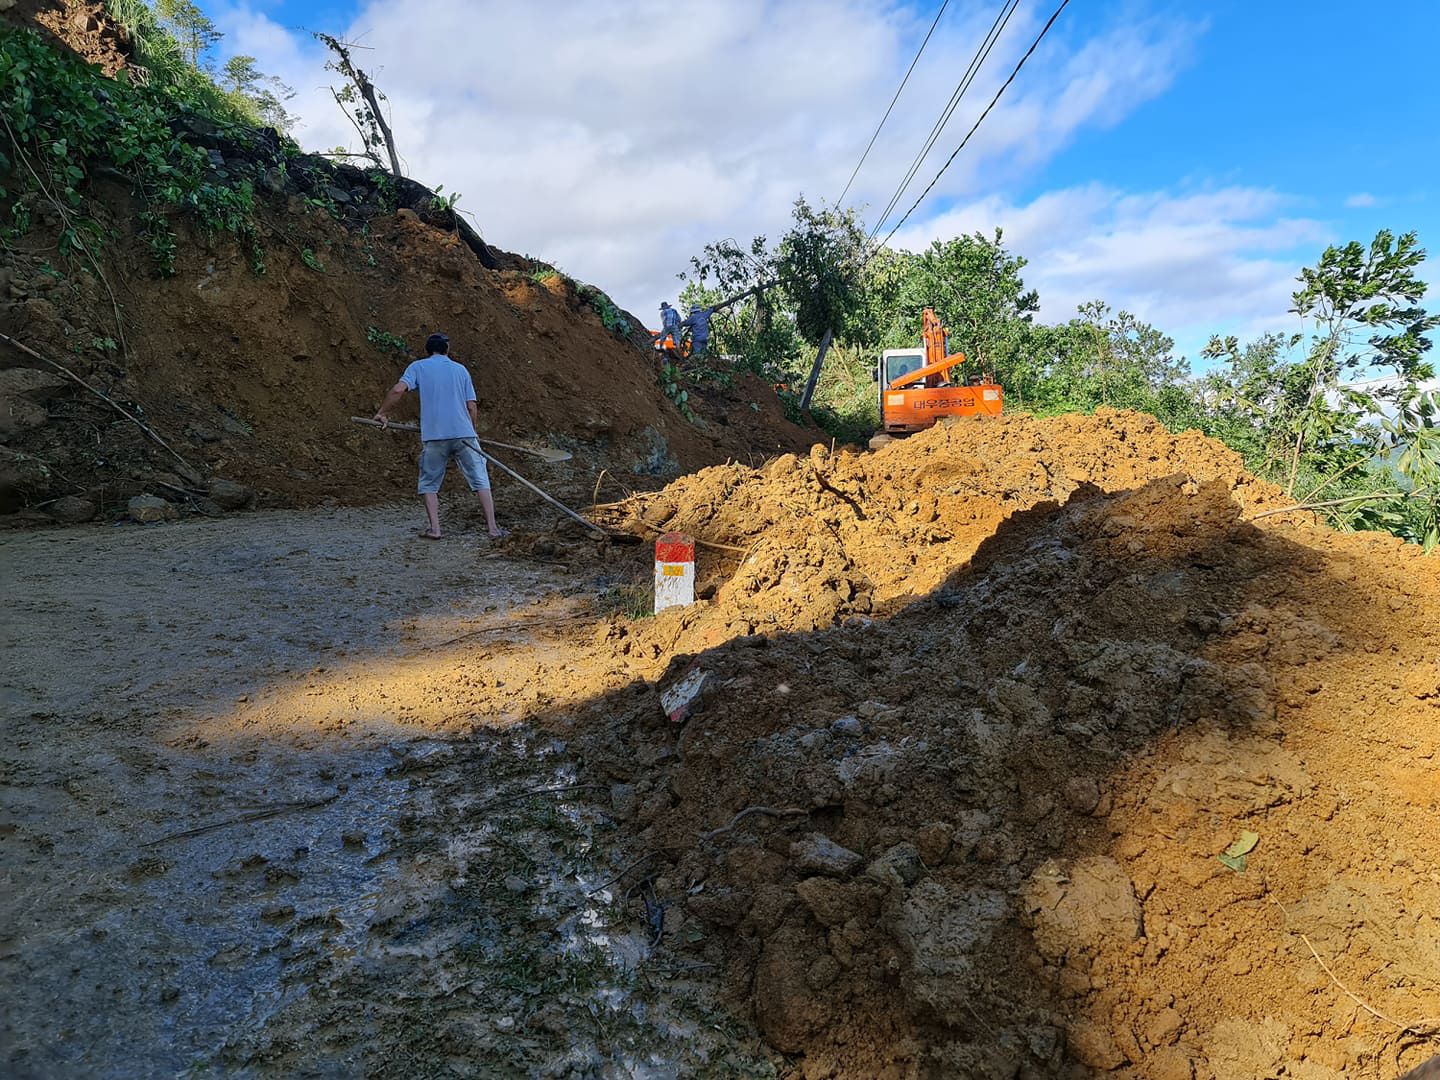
[[616, 139], [1190, 263], [1361, 200]]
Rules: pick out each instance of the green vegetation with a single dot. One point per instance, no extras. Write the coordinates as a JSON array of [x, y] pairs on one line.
[[610, 315], [171, 40], [1288, 404], [61, 119], [385, 341]]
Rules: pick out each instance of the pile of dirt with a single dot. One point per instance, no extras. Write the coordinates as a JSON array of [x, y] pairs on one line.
[[977, 716], [251, 373]]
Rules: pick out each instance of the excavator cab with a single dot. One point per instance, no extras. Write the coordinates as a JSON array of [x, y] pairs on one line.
[[919, 386]]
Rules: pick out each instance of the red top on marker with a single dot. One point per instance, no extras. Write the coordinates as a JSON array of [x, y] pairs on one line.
[[674, 547]]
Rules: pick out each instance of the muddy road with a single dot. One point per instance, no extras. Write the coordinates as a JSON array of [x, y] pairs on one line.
[[263, 814]]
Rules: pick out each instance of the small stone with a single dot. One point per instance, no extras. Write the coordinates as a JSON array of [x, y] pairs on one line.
[[1082, 794], [229, 495], [933, 842], [339, 194], [72, 510], [147, 509], [515, 884], [819, 854], [846, 725], [899, 865], [624, 800], [811, 740]]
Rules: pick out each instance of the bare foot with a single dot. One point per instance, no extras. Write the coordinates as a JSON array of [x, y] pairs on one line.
[[499, 534], [427, 535]]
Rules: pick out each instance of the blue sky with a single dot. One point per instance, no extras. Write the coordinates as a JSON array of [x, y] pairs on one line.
[[1181, 160]]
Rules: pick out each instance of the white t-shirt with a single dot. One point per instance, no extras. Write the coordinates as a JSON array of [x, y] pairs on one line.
[[445, 387]]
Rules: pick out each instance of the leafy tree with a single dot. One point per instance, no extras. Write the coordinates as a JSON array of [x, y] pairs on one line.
[[193, 29], [799, 288], [266, 94], [1362, 307], [975, 287]]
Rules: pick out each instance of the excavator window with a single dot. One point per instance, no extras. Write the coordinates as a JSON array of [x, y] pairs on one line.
[[902, 364]]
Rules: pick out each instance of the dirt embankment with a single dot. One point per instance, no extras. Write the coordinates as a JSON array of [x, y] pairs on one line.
[[251, 376], [1005, 692]]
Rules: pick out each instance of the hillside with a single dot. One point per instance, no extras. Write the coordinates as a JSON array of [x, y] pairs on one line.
[[250, 356]]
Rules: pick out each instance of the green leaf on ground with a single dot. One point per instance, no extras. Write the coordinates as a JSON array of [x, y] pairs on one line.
[[1234, 855]]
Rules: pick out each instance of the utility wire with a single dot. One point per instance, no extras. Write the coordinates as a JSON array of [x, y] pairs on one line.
[[871, 144], [1043, 32], [982, 52]]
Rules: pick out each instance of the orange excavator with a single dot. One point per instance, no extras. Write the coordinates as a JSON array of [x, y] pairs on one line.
[[919, 386]]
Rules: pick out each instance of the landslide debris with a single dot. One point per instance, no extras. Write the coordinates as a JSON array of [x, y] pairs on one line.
[[1007, 690], [249, 359]]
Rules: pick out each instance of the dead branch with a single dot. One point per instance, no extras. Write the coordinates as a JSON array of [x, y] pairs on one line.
[[146, 428], [1420, 1028], [1341, 502], [243, 819]]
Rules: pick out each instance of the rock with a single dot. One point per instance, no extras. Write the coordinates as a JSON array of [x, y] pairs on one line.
[[204, 433], [229, 495], [18, 414], [515, 884], [147, 509], [72, 510], [406, 214], [818, 854], [217, 159], [900, 865], [1082, 794], [339, 194], [624, 800], [1087, 910], [274, 180], [31, 383], [846, 725], [933, 842]]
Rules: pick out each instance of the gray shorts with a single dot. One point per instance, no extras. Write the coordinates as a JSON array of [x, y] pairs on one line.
[[436, 455]]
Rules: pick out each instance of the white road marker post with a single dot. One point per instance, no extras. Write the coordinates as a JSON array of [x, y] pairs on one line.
[[674, 571]]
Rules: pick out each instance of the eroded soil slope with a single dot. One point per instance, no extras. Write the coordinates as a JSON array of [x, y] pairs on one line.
[[1005, 692]]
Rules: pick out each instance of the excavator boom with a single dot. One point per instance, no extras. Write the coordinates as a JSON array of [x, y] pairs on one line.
[[915, 386]]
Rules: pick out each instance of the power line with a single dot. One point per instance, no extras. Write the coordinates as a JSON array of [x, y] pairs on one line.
[[982, 52], [943, 6], [1043, 32]]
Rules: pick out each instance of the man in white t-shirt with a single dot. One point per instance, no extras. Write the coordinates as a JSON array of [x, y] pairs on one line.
[[447, 430]]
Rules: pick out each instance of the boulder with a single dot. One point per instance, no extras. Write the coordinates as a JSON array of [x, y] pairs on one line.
[[229, 495], [31, 383], [147, 509], [72, 510]]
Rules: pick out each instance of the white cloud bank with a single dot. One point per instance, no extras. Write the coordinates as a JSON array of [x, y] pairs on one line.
[[615, 139]]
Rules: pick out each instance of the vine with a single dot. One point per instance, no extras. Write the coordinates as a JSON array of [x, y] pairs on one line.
[[62, 120]]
